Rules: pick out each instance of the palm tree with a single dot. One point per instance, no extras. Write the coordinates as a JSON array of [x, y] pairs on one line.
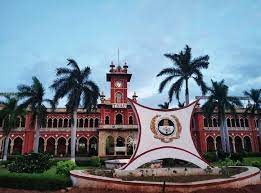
[[181, 104], [165, 105], [255, 108], [33, 98], [218, 102], [9, 114], [75, 84], [184, 68]]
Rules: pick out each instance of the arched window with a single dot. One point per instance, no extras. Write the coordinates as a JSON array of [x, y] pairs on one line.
[[228, 123], [96, 123], [233, 122], [119, 120], [60, 123], [210, 123], [93, 146], [210, 144], [242, 124], [81, 123], [18, 145], [237, 123], [22, 122], [215, 122], [70, 122], [54, 123], [91, 122], [49, 124], [65, 123], [85, 123], [246, 122], [109, 145], [130, 120], [107, 120], [205, 122], [18, 122], [247, 144], [118, 97]]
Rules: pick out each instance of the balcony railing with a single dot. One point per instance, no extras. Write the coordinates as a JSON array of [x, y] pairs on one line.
[[229, 128], [119, 126]]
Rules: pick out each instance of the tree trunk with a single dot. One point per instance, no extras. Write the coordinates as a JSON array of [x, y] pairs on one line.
[[259, 132], [37, 135], [227, 136], [73, 135], [6, 145], [223, 136], [187, 93]]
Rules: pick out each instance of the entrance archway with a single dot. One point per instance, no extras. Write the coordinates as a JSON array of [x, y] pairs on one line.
[[210, 144], [18, 145], [82, 146], [238, 144], [93, 146], [50, 147], [247, 144], [109, 145], [61, 146], [120, 146]]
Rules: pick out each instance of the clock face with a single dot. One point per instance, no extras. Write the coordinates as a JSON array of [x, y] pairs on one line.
[[118, 84], [166, 127]]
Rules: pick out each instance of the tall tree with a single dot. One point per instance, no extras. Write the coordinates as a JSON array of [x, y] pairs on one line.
[[218, 103], [33, 98], [10, 112], [184, 67], [75, 84], [255, 107], [165, 105]]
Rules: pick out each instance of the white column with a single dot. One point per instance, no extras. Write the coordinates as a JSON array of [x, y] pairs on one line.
[[55, 150], [45, 145], [11, 146]]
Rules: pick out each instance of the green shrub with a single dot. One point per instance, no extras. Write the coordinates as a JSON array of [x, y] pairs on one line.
[[222, 155], [227, 162], [256, 164], [34, 182], [5, 163], [31, 163], [64, 167], [253, 154], [210, 156], [95, 161], [236, 157]]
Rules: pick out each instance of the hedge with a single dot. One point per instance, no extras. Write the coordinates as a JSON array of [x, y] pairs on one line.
[[34, 182]]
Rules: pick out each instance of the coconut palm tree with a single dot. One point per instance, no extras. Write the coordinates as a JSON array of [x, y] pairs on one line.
[[219, 102], [9, 114], [33, 98], [180, 104], [184, 68], [74, 83], [165, 105], [255, 107]]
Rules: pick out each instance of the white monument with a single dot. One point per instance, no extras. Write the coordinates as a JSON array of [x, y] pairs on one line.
[[164, 134]]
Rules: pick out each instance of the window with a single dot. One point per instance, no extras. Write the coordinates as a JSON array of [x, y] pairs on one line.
[[49, 124], [210, 123], [205, 122], [60, 123], [130, 120], [246, 123], [119, 119], [237, 123], [65, 123], [22, 122], [18, 122], [118, 97], [91, 123], [215, 122], [55, 123], [96, 123], [233, 122], [107, 120], [228, 123], [81, 123], [242, 124], [86, 123]]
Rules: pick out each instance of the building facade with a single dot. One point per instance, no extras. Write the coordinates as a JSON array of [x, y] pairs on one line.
[[111, 129]]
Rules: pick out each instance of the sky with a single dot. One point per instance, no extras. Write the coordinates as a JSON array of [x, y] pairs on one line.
[[36, 37]]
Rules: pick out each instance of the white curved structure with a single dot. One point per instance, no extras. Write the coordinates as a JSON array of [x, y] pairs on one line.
[[164, 134]]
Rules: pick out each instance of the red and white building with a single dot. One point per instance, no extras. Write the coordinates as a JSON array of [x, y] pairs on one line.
[[111, 130]]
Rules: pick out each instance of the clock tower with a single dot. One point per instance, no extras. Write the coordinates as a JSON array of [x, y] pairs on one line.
[[119, 78]]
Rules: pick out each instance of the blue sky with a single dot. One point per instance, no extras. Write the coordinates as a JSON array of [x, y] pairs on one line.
[[38, 36]]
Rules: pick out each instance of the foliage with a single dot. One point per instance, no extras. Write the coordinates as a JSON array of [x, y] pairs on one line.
[[31, 163], [95, 161], [222, 155], [218, 102], [165, 105], [44, 181], [5, 163], [210, 156], [184, 68], [256, 164], [252, 154], [236, 157], [224, 171], [64, 167]]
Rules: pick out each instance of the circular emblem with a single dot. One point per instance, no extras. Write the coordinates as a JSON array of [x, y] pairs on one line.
[[165, 128]]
